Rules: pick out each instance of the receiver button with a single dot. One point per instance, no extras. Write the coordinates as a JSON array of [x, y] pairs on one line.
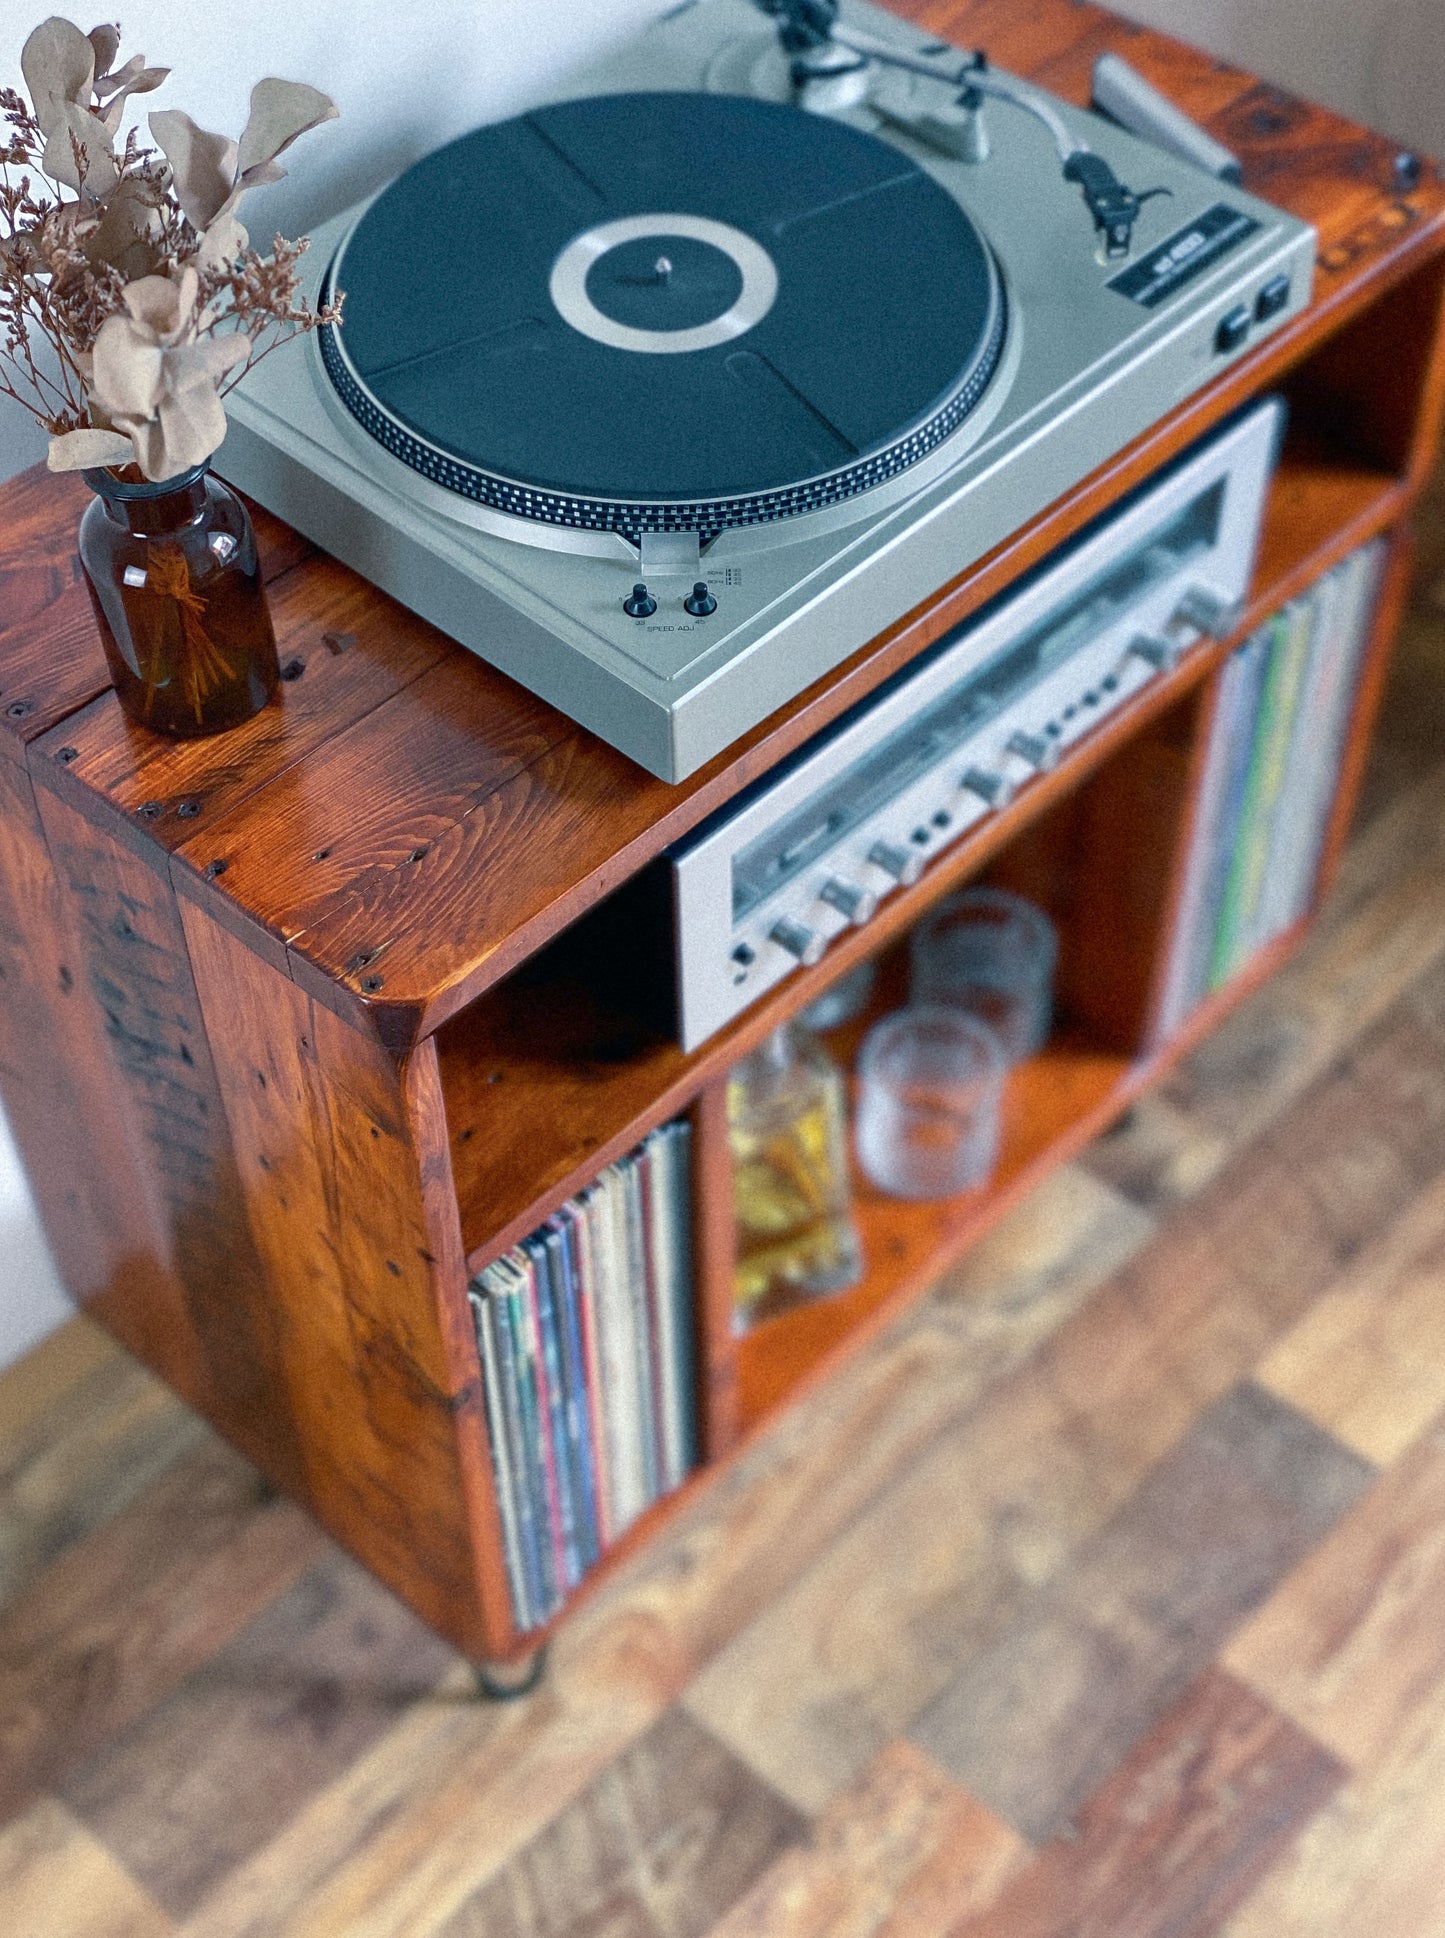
[[1032, 751], [992, 789]]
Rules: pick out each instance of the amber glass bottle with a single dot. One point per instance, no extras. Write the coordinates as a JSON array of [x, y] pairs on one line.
[[176, 586]]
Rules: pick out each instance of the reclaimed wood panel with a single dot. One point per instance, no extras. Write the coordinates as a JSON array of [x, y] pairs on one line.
[[202, 1320], [344, 649], [379, 1386]]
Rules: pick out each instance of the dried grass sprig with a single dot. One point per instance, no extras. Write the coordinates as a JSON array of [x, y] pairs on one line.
[[131, 299]]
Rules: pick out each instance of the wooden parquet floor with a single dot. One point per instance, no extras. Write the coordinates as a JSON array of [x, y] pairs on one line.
[[1103, 1598]]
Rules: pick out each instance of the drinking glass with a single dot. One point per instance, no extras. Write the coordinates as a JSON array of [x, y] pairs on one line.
[[991, 953], [930, 1079]]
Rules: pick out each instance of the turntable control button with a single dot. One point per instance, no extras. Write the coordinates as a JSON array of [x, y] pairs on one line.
[[799, 940], [897, 862], [1271, 299], [700, 601], [1233, 329], [641, 605], [858, 904]]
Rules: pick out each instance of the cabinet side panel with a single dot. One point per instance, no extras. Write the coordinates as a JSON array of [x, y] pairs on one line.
[[86, 1176], [715, 1249], [381, 1405], [201, 1324]]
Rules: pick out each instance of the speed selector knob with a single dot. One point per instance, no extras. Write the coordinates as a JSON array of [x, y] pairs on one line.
[[994, 790], [903, 866], [799, 940], [858, 904], [1033, 751]]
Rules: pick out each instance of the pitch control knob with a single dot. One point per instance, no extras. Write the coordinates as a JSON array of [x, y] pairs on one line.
[[699, 602], [903, 866], [641, 605], [1162, 655], [799, 940], [994, 790], [1033, 751], [860, 905], [1199, 608]]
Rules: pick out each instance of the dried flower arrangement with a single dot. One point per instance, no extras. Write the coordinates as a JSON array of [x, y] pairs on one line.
[[140, 279]]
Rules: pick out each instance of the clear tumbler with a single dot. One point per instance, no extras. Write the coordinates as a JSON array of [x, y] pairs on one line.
[[992, 953], [930, 1080]]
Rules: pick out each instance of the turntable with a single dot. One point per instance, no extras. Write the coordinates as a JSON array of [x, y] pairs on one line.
[[667, 396]]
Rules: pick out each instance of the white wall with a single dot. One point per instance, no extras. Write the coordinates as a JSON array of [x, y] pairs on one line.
[[410, 76]]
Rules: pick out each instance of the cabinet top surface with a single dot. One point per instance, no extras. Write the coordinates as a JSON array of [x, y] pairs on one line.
[[404, 825]]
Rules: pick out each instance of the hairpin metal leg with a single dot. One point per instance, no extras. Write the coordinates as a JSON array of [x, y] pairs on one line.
[[509, 1681]]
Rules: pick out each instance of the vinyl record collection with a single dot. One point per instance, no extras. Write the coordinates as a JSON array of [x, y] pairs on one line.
[[1269, 781], [586, 1339]]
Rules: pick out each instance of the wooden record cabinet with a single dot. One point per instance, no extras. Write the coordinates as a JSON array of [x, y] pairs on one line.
[[295, 1028]]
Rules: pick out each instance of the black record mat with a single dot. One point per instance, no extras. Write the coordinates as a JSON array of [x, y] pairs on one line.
[[663, 311]]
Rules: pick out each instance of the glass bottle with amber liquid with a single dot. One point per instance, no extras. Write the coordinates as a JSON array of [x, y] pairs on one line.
[[176, 585], [788, 1127]]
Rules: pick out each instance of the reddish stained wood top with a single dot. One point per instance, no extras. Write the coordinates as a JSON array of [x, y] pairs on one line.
[[406, 825]]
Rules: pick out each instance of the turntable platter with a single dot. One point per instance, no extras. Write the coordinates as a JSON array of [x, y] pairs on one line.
[[665, 311]]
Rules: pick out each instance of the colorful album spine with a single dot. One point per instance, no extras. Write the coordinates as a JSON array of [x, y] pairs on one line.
[[586, 1337], [1268, 782]]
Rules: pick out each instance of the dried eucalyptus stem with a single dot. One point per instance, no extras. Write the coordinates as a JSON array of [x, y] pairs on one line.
[[131, 299]]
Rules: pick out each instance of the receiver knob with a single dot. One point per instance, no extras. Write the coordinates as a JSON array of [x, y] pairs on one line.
[[800, 941], [1213, 616], [858, 904], [994, 790], [1033, 751], [897, 862], [1160, 654]]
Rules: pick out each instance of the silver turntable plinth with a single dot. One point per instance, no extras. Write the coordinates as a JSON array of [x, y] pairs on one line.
[[850, 523]]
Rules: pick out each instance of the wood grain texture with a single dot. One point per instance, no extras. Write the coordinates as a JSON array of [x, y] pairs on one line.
[[1173, 1841], [658, 1847], [126, 1613], [451, 924], [286, 1705], [374, 1373], [1352, 1645], [1367, 1361], [1034, 1723], [1000, 1498], [105, 1436], [901, 1853], [56, 1881]]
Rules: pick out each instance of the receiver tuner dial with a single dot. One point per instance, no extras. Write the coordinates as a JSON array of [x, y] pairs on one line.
[[858, 904], [994, 790], [904, 867], [1161, 655], [1217, 618], [1033, 751], [799, 940]]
